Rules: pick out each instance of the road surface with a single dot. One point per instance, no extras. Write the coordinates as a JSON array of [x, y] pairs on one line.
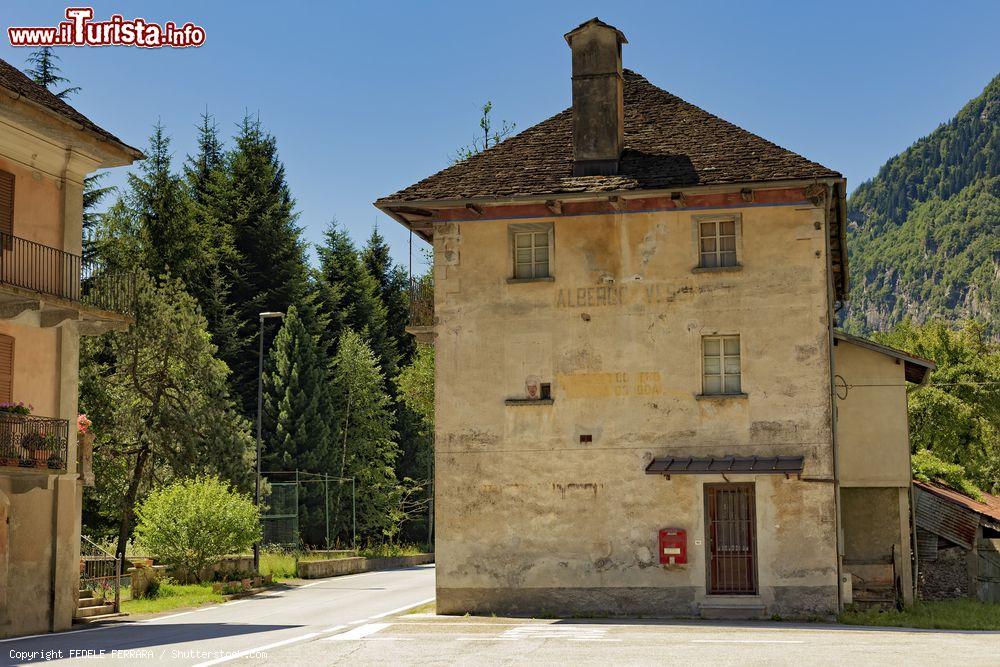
[[247, 627], [359, 620]]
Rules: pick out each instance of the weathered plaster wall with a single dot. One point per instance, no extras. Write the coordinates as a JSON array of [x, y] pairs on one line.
[[530, 518], [37, 197], [872, 432], [36, 366]]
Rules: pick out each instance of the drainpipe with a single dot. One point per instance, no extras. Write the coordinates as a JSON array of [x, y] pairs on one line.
[[833, 392]]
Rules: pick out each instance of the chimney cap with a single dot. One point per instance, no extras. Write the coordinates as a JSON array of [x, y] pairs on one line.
[[594, 22]]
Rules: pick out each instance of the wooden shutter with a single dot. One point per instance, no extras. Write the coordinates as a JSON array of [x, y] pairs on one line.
[[6, 204], [6, 369]]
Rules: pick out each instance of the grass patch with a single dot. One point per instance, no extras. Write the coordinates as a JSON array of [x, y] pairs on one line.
[[941, 615], [390, 550], [173, 596], [279, 564]]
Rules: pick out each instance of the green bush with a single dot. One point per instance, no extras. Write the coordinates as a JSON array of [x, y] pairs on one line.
[[193, 522], [929, 468]]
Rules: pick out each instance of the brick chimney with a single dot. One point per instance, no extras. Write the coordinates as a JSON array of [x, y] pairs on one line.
[[598, 111]]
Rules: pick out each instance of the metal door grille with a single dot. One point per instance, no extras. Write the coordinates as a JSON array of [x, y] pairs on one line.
[[732, 532]]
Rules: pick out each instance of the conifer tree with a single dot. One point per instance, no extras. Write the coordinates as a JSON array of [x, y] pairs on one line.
[[349, 296], [364, 445], [159, 402], [43, 68], [393, 285], [205, 177], [297, 418], [171, 238], [269, 269]]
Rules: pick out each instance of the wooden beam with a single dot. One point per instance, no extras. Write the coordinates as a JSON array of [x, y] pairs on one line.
[[555, 206], [616, 202], [411, 210], [747, 195], [473, 207]]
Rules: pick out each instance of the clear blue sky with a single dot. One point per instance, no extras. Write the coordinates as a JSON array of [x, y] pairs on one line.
[[366, 98]]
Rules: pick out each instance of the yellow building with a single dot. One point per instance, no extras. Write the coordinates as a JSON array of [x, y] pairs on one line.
[[47, 301], [642, 405]]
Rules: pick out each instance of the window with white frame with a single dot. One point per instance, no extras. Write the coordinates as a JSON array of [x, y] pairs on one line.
[[721, 365], [717, 243], [532, 247]]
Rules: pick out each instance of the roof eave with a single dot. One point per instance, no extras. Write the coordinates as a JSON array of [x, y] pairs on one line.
[[128, 154]]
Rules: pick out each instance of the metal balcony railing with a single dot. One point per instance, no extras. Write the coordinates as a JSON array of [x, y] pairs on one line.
[[30, 441], [41, 268], [421, 303]]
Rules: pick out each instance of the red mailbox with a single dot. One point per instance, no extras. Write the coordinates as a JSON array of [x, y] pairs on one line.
[[673, 546]]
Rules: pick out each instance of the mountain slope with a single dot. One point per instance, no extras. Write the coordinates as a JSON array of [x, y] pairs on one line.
[[924, 234]]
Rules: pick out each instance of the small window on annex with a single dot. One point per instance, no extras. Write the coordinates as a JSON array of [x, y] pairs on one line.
[[721, 365], [717, 243], [531, 245]]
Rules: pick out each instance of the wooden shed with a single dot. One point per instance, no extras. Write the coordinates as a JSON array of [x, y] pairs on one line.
[[958, 543]]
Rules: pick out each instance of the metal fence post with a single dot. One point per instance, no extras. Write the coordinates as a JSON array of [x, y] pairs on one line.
[[354, 515], [118, 583]]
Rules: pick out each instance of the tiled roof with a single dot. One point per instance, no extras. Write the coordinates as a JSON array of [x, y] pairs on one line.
[[669, 143], [16, 81]]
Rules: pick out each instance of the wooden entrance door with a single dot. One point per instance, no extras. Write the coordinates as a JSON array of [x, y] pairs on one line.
[[732, 531]]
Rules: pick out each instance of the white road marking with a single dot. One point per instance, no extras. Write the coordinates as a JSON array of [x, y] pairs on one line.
[[578, 632], [399, 609], [265, 647], [747, 641], [358, 633], [486, 639], [334, 628], [232, 602]]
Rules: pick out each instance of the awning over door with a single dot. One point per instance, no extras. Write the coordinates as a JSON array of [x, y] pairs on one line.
[[757, 465]]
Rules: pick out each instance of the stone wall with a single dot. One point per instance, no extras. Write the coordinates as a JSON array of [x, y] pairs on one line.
[[947, 577], [317, 569]]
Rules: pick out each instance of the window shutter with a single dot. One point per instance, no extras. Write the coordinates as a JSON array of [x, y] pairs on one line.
[[6, 203], [6, 369]]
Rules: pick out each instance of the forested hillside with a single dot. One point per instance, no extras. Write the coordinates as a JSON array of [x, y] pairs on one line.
[[924, 234]]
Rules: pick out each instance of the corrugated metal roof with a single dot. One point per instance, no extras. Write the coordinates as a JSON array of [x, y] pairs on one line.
[[946, 519], [761, 465], [988, 507]]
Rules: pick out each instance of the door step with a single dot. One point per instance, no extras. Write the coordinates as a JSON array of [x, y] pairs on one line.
[[100, 618], [732, 612], [92, 610]]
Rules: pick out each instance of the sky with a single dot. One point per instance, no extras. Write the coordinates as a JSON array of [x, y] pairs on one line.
[[367, 98]]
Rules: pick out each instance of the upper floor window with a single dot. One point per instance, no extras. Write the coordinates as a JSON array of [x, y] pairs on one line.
[[532, 249], [721, 365], [717, 242]]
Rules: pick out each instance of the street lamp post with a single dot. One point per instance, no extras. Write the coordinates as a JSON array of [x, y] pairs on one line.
[[260, 409]]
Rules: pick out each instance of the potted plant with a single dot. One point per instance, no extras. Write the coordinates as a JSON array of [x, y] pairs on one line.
[[37, 449], [55, 461], [11, 416]]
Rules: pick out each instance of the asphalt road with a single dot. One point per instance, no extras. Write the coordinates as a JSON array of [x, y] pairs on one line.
[[362, 620], [250, 627], [425, 640]]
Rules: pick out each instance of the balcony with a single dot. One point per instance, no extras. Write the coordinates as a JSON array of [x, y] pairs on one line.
[[31, 442], [62, 285], [421, 325]]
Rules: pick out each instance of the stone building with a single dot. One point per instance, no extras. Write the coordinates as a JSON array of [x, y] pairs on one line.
[[48, 299], [637, 368]]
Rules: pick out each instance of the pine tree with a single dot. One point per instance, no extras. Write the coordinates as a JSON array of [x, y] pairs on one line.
[[269, 270], [159, 401], [172, 240], [44, 70], [363, 436], [297, 418], [393, 286], [349, 296], [205, 177]]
